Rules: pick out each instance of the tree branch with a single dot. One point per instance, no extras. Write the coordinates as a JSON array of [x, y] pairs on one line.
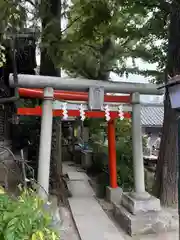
[[69, 25]]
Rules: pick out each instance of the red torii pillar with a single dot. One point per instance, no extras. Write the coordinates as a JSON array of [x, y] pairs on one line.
[[82, 96], [112, 153]]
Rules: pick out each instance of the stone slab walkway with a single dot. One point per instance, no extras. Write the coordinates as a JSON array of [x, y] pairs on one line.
[[90, 219]]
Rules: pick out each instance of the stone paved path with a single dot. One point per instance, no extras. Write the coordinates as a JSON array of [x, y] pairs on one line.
[[90, 220], [69, 232]]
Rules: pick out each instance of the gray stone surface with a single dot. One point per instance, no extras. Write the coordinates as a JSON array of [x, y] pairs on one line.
[[86, 159], [171, 215], [162, 236], [136, 206], [144, 223], [80, 189], [113, 194], [77, 176], [91, 221]]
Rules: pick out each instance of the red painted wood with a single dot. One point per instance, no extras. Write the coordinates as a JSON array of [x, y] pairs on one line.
[[112, 154], [68, 95], [37, 111]]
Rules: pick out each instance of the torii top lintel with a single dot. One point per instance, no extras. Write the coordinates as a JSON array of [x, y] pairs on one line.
[[78, 84]]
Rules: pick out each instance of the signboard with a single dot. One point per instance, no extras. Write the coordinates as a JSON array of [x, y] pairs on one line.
[[96, 98]]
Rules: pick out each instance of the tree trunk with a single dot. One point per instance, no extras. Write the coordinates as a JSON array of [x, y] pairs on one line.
[[166, 179], [51, 13], [165, 186]]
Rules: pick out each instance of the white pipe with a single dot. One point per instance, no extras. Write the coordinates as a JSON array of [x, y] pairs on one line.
[[78, 84], [45, 143]]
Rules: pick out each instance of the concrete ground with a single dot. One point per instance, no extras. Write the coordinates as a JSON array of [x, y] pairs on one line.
[[90, 218], [68, 230]]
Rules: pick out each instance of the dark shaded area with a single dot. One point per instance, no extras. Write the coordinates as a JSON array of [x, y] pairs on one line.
[[24, 132], [26, 64], [25, 61]]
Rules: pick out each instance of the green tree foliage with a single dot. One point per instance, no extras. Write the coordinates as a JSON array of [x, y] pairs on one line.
[[132, 31], [12, 18], [102, 29], [107, 31]]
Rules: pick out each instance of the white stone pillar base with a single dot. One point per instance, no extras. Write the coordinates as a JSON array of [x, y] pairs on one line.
[[138, 215], [140, 205], [113, 195]]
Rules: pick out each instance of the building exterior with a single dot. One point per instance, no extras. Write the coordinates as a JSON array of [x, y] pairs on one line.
[[152, 116]]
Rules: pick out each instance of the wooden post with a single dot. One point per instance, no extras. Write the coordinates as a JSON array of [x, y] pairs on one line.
[[112, 154]]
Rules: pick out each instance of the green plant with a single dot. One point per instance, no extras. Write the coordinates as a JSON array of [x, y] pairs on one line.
[[123, 153], [25, 218]]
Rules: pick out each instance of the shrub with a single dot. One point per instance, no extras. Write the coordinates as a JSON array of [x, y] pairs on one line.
[[25, 218]]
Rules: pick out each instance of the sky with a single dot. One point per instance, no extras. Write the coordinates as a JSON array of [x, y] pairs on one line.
[[140, 79]]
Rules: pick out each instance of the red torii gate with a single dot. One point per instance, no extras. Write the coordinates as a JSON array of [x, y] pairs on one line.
[[133, 202], [82, 96]]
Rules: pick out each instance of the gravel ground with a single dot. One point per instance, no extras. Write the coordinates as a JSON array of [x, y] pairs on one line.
[[67, 229]]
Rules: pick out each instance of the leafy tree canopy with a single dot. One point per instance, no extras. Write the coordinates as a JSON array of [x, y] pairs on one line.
[[108, 32], [131, 31]]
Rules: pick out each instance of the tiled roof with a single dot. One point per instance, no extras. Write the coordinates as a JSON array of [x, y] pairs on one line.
[[152, 115]]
